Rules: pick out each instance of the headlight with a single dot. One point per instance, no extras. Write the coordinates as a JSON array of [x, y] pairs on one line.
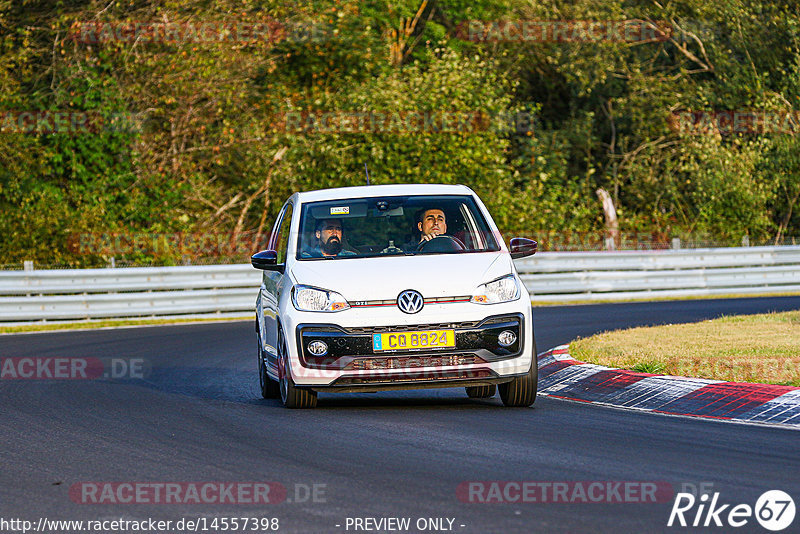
[[307, 298], [503, 289]]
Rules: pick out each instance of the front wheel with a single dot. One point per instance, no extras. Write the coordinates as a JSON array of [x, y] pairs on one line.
[[291, 395], [521, 391]]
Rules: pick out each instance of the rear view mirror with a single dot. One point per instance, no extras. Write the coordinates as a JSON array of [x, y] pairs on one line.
[[522, 247], [266, 260]]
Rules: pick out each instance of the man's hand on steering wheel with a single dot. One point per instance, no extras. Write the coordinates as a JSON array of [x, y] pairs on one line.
[[445, 243]]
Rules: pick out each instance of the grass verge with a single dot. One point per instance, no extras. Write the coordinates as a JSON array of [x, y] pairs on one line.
[[761, 348], [111, 323]]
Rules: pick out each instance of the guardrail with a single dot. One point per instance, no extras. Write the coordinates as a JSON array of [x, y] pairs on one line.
[[128, 292], [566, 276], [36, 295]]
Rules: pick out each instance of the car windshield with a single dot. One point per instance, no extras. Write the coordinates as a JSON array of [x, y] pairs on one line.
[[381, 226]]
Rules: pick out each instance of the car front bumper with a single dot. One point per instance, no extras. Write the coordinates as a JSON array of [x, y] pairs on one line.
[[352, 364]]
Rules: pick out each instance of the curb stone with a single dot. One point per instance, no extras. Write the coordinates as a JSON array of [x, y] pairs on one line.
[[563, 377]]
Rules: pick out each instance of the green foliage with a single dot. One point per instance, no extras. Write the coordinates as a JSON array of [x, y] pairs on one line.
[[209, 154], [447, 83]]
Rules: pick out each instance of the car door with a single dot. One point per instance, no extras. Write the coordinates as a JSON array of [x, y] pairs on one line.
[[271, 283]]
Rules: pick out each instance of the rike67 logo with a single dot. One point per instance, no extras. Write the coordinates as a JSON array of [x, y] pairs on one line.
[[774, 510]]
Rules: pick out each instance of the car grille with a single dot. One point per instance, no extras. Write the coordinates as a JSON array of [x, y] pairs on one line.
[[410, 362], [410, 328], [393, 302]]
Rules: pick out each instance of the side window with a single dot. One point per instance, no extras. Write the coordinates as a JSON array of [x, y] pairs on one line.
[[282, 245]]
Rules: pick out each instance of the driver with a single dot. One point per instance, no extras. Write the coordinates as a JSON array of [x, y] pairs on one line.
[[431, 223], [329, 234]]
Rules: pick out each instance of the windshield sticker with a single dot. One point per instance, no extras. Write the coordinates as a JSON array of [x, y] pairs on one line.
[[341, 210]]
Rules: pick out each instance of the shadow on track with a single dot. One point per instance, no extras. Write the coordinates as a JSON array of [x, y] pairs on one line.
[[232, 385]]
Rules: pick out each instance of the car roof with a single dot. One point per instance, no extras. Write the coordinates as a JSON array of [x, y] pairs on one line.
[[383, 190]]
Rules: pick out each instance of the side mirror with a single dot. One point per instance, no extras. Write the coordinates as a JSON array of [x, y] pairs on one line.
[[266, 260], [522, 247]]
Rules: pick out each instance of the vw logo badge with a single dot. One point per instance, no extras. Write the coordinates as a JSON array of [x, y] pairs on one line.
[[410, 301]]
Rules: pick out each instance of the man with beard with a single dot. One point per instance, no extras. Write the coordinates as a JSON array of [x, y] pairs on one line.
[[329, 239]]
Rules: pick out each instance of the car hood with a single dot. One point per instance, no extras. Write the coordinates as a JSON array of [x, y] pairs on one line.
[[382, 278]]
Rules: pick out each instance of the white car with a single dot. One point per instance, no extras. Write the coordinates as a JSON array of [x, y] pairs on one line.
[[392, 287]]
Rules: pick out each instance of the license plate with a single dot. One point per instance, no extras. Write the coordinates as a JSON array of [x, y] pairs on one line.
[[421, 339]]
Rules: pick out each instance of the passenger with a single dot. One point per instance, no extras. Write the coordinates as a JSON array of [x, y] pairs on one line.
[[329, 235]]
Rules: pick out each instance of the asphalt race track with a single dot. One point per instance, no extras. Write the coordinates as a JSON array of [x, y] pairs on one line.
[[197, 417]]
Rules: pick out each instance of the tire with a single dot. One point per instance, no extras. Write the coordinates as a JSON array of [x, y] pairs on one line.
[[521, 391], [481, 392], [291, 395]]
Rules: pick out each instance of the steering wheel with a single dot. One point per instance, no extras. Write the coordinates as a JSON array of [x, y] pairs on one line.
[[442, 243]]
